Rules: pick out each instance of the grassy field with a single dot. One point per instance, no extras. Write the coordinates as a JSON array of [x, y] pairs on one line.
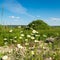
[[31, 44], [17, 31]]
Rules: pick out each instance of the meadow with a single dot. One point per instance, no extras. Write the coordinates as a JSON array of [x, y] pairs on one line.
[[22, 43]]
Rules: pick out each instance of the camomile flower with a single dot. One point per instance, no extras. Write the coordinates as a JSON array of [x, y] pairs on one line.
[[19, 46], [22, 35], [6, 43], [45, 48], [50, 58], [26, 40], [28, 36], [32, 34], [15, 37], [15, 41], [5, 38], [34, 31], [5, 57], [10, 50], [11, 39], [26, 43], [21, 31], [36, 41], [32, 52], [37, 35], [11, 31], [32, 38]]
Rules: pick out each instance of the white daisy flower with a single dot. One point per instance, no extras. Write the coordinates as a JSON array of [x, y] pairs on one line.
[[36, 41], [22, 35], [6, 43], [19, 46], [32, 52], [15, 37], [32, 38], [5, 38], [10, 50], [5, 57], [11, 31], [34, 31], [26, 40], [28, 36], [26, 43], [37, 35], [50, 58], [15, 41], [21, 31]]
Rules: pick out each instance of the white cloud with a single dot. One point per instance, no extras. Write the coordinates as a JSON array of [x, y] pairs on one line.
[[53, 18], [29, 15], [14, 17], [15, 7]]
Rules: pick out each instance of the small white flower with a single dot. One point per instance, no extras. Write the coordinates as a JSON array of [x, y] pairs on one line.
[[34, 31], [5, 38], [15, 37], [5, 57], [32, 34], [15, 41], [6, 43], [26, 40], [28, 36], [37, 35], [10, 50], [50, 58], [45, 48], [22, 35], [26, 43], [32, 38], [32, 52], [36, 41], [21, 31], [11, 31], [19, 46]]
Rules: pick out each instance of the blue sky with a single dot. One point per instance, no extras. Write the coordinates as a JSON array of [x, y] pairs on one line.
[[22, 12]]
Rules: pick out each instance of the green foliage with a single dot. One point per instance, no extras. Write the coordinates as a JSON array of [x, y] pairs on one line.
[[38, 25], [41, 50]]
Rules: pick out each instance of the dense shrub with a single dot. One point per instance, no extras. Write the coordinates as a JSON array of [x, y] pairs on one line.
[[38, 25]]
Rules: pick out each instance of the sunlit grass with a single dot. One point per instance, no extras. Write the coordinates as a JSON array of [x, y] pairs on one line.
[[29, 44]]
